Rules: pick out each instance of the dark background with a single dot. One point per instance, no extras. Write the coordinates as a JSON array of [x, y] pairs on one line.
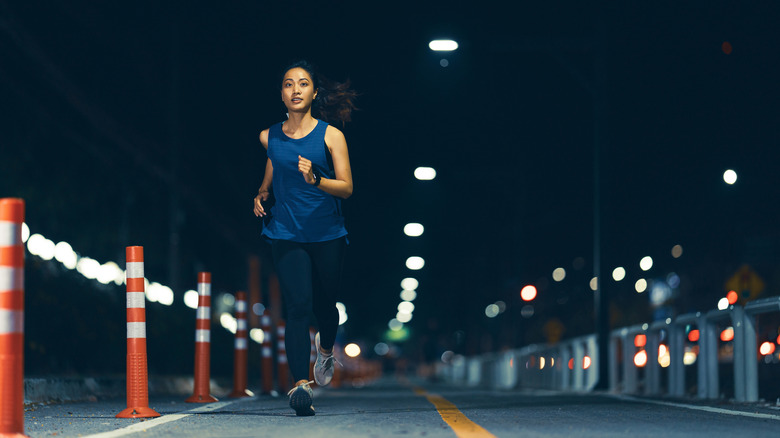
[[135, 123]]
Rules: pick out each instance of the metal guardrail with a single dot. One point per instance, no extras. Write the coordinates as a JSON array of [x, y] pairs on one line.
[[570, 365], [565, 366]]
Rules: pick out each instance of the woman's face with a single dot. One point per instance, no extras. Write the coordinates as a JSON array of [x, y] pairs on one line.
[[298, 92]]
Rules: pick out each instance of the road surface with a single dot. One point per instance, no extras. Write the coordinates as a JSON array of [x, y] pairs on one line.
[[393, 408]]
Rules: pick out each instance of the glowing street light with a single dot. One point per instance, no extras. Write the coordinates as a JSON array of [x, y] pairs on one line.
[[352, 350], [408, 295], [413, 229], [64, 254], [767, 348], [415, 263], [443, 45], [646, 263], [528, 293], [491, 311], [405, 307], [730, 177], [257, 335], [403, 317], [191, 299], [425, 173], [619, 273], [409, 283], [640, 358], [395, 325]]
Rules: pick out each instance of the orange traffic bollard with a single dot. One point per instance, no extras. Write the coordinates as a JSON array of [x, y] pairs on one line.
[[203, 343], [283, 370], [137, 377], [11, 318], [240, 350], [267, 359]]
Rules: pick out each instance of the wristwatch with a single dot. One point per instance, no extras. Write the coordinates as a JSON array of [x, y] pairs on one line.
[[317, 178]]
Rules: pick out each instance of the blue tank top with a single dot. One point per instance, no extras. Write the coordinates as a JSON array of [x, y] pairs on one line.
[[302, 212]]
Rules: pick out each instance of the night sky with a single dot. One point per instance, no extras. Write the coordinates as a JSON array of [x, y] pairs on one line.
[[122, 121]]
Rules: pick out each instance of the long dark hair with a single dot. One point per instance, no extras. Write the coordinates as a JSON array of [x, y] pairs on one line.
[[335, 100]]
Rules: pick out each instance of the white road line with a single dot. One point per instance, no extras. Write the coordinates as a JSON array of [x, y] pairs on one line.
[[139, 427], [214, 406], [145, 425], [702, 408]]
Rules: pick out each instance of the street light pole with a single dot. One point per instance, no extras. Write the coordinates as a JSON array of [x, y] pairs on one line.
[[600, 298], [596, 88]]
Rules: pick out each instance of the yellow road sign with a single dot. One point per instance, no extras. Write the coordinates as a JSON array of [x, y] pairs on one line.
[[746, 283]]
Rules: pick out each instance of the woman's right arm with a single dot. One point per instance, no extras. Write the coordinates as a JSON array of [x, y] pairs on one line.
[[264, 191]]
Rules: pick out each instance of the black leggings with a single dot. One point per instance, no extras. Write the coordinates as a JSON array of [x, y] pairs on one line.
[[310, 277]]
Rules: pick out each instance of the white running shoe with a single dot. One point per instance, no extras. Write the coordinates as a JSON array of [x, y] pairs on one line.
[[300, 399], [323, 367]]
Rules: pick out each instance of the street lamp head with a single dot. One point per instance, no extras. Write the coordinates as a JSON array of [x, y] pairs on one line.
[[443, 45], [730, 176]]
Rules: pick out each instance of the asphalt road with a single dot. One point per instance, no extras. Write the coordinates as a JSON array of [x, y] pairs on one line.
[[390, 408]]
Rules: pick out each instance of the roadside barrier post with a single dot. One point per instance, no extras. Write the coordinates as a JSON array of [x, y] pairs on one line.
[[203, 343], [11, 318], [267, 359], [137, 377], [240, 349], [283, 370]]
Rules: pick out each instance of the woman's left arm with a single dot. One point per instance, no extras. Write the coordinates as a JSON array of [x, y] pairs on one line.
[[341, 185]]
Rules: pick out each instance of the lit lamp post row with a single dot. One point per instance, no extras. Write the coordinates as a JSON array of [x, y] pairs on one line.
[[414, 263]]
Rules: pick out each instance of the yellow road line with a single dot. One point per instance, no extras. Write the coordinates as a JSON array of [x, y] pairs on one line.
[[460, 424]]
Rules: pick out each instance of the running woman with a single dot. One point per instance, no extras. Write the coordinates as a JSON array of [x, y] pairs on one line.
[[309, 172]]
